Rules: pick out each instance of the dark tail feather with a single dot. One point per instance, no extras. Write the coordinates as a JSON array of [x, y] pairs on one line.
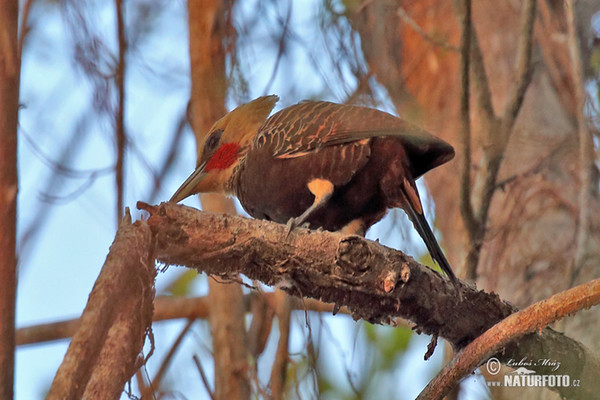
[[421, 225]]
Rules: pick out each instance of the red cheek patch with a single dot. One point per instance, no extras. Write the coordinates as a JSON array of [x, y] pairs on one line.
[[223, 158]]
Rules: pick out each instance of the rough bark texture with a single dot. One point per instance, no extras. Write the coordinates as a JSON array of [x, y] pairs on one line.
[[376, 283], [104, 353], [208, 31], [9, 100], [530, 243], [207, 58]]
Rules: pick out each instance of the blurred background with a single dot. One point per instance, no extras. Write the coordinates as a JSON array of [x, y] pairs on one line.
[[400, 57]]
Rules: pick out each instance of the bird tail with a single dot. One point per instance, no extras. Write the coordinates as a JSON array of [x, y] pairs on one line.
[[414, 210]]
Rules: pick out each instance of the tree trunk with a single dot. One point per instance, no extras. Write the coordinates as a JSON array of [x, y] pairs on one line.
[[208, 30], [530, 243], [9, 102]]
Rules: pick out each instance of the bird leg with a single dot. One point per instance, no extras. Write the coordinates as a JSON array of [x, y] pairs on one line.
[[322, 189]]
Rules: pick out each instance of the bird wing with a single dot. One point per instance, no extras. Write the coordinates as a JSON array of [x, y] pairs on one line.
[[310, 126]]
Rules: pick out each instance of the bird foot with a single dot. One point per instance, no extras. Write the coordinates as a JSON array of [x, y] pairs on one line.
[[294, 223]]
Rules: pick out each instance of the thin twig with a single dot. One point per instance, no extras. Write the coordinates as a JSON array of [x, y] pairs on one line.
[[524, 70], [466, 207], [24, 27], [413, 24], [203, 377], [281, 48], [165, 308], [498, 131], [586, 146], [70, 150], [480, 78], [499, 137], [532, 319], [120, 116], [170, 158], [139, 379], [167, 360], [279, 368], [474, 64]]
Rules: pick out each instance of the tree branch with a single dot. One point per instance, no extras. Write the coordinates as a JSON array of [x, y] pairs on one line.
[[524, 70], [466, 205], [497, 130], [165, 308], [375, 282], [279, 367], [164, 365], [586, 145], [103, 354], [533, 318], [474, 223], [413, 24], [9, 114], [484, 94], [120, 114]]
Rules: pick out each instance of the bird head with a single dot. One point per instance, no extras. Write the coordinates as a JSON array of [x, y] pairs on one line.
[[224, 147]]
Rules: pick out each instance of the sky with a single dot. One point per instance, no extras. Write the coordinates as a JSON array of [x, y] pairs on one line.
[[57, 121]]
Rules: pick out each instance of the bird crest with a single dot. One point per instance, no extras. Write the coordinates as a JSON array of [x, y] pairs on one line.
[[224, 146], [238, 127]]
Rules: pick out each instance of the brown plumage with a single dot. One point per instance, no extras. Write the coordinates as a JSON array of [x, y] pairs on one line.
[[339, 167]]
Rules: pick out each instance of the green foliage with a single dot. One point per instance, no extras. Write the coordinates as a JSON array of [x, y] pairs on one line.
[[182, 284], [390, 343]]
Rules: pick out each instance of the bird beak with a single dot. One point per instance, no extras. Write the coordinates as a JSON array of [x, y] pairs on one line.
[[187, 188]]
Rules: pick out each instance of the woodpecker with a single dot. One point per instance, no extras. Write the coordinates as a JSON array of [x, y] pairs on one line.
[[338, 167]]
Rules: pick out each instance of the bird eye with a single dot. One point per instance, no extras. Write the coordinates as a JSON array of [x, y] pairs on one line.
[[213, 140]]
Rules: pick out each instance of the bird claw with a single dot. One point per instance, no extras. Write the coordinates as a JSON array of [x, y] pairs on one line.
[[294, 223], [336, 308]]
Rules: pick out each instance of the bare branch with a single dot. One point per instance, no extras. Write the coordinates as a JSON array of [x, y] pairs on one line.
[[9, 102], [169, 160], [279, 367], [586, 145], [466, 206], [281, 49], [498, 131], [411, 22], [24, 27], [120, 115], [480, 78], [474, 64], [375, 282], [203, 376], [113, 325], [524, 70], [260, 328], [164, 365], [165, 308], [533, 318]]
